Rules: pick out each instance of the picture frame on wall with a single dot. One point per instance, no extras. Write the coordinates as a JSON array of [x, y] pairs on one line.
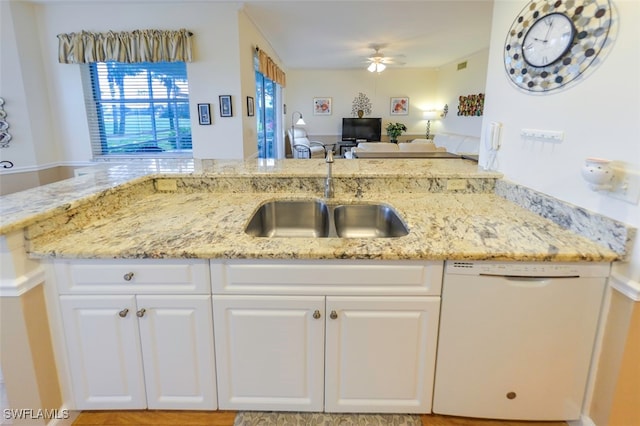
[[204, 114], [225, 106], [399, 106], [322, 106], [250, 106]]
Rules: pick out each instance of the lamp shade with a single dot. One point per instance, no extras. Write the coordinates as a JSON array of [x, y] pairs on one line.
[[300, 121], [431, 115]]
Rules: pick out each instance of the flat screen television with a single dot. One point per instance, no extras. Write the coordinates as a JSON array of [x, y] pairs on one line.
[[361, 129]]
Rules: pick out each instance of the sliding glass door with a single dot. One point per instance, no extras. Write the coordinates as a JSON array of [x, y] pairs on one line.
[[269, 122]]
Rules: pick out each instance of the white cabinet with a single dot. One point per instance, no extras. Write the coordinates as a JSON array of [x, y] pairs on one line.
[[104, 351], [271, 352], [312, 348], [380, 353], [132, 351]]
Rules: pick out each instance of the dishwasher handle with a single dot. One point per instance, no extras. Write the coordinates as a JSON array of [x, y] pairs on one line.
[[531, 282]]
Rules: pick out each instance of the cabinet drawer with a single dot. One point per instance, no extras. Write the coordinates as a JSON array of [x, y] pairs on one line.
[[327, 277], [133, 276]]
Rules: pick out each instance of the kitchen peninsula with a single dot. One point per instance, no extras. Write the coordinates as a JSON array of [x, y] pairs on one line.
[[124, 244], [198, 209]]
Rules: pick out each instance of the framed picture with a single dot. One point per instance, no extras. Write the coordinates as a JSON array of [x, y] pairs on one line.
[[399, 106], [250, 106], [204, 114], [321, 106], [225, 106]]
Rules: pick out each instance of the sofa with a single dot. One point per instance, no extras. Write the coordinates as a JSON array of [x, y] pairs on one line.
[[442, 142], [458, 144]]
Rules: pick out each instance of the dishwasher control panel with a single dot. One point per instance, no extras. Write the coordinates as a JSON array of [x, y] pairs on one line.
[[528, 269]]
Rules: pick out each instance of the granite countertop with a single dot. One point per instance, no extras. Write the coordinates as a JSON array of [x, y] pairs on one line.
[[117, 211], [211, 225], [24, 208]]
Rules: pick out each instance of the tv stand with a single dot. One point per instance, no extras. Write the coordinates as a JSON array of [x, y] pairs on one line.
[[344, 146]]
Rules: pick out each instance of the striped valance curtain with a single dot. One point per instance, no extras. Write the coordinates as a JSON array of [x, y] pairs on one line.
[[269, 68], [125, 46]]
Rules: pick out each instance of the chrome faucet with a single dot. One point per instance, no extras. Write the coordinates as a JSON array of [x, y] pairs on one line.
[[328, 182]]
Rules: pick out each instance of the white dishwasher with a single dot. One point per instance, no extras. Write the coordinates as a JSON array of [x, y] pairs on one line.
[[516, 339]]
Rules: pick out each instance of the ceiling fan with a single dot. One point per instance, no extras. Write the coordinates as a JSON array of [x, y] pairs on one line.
[[378, 62]]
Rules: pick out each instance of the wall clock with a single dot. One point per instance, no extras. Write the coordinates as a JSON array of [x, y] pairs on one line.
[[553, 42]]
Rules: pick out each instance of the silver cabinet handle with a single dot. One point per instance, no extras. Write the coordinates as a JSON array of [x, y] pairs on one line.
[[333, 315], [141, 312], [316, 314], [123, 313], [128, 276]]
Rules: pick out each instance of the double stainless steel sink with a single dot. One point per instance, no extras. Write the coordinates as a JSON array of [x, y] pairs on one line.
[[317, 219]]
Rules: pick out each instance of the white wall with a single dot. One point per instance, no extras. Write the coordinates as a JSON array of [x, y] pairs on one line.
[[215, 70], [426, 89], [453, 83], [22, 81], [600, 117], [344, 85]]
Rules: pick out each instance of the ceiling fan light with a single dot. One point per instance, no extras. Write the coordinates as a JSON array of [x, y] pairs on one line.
[[381, 67], [372, 67]]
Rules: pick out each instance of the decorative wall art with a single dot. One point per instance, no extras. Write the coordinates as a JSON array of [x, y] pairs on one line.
[[225, 106], [360, 106], [471, 105], [250, 106], [399, 106], [204, 114], [321, 106]]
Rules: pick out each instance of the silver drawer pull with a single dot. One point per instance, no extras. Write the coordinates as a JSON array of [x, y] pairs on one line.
[[333, 315], [128, 276], [316, 314], [141, 312], [123, 313]]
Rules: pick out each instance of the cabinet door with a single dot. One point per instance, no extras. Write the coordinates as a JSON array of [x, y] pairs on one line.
[[270, 352], [104, 351], [177, 348], [380, 353]]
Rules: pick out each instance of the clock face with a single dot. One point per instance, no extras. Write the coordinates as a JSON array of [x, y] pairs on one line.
[[547, 40], [553, 42]]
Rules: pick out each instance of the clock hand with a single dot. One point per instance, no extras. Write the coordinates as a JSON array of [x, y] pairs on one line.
[[549, 23]]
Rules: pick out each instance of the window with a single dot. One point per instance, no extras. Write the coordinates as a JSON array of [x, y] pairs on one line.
[[138, 108]]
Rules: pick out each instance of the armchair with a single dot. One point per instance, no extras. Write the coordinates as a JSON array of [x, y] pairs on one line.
[[302, 147]]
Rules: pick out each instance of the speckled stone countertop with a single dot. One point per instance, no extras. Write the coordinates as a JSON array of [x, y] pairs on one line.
[[118, 212]]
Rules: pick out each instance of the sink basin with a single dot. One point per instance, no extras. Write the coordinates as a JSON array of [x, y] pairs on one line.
[[368, 221], [316, 219], [282, 218]]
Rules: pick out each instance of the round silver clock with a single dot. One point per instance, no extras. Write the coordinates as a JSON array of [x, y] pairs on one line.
[[552, 42]]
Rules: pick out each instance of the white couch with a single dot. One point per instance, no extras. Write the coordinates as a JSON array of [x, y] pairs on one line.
[[442, 142], [458, 144]]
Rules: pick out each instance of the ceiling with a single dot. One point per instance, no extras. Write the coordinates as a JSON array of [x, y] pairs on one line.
[[338, 34]]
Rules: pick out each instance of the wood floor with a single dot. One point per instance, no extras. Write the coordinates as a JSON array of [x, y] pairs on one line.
[[225, 418]]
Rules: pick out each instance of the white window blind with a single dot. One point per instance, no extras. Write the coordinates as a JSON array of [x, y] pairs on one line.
[[138, 109]]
